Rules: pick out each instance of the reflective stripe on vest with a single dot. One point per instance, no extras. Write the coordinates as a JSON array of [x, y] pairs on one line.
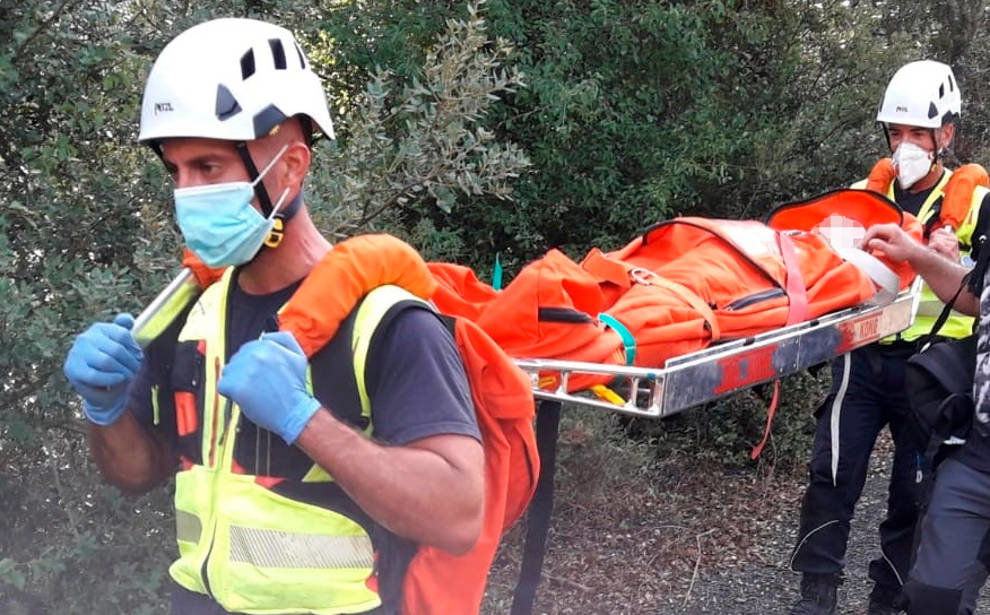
[[957, 325], [251, 549]]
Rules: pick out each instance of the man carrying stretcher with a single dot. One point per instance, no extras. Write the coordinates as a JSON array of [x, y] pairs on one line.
[[919, 113]]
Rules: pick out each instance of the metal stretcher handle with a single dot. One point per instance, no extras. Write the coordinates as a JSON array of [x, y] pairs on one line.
[[164, 308]]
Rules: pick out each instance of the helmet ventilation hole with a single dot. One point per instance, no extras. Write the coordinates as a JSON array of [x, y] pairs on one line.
[[247, 64], [227, 106], [278, 53]]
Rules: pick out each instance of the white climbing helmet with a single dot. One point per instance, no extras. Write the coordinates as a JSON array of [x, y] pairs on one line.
[[923, 93], [233, 79]]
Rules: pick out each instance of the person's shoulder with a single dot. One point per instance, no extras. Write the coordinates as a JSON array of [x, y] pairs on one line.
[[981, 193], [414, 321], [414, 338], [417, 380]]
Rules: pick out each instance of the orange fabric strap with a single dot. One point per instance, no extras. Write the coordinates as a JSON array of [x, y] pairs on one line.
[[794, 285], [771, 411]]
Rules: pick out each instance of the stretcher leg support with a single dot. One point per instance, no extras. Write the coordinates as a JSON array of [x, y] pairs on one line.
[[540, 509]]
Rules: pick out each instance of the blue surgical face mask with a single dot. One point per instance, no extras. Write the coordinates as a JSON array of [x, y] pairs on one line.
[[219, 223]]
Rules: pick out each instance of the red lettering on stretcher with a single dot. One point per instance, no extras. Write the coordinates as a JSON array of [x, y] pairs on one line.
[[747, 368], [858, 332]]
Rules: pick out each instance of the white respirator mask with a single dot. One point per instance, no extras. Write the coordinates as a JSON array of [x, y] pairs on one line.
[[912, 163]]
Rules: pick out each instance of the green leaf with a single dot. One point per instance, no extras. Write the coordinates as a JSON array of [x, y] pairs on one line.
[[11, 573], [445, 198]]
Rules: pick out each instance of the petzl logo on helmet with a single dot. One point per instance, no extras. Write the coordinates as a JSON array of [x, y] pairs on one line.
[[900, 109], [162, 107]]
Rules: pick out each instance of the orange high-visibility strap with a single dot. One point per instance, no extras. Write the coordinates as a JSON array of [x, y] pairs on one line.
[[958, 193], [881, 176], [186, 419]]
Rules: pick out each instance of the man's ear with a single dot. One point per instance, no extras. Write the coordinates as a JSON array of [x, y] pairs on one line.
[[296, 161], [946, 133]]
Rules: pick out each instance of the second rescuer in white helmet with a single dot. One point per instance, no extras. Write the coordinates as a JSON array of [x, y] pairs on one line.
[[919, 112]]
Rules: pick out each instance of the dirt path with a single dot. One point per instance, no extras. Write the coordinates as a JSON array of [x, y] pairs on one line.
[[685, 540], [767, 586]]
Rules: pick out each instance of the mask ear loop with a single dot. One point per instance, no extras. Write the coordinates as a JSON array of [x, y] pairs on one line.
[[268, 166], [937, 154], [278, 204], [941, 152], [277, 232]]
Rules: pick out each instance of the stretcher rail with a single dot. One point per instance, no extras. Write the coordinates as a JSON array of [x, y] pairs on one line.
[[699, 377]]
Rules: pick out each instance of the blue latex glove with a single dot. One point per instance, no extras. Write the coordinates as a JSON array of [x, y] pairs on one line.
[[267, 379], [100, 365]]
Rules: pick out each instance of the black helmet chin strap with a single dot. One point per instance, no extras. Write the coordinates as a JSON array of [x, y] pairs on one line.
[[886, 134], [259, 188]]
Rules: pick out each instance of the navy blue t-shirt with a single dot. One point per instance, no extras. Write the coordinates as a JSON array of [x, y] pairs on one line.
[[414, 377], [911, 202]]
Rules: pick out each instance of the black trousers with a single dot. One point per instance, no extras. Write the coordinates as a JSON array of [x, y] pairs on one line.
[[867, 393]]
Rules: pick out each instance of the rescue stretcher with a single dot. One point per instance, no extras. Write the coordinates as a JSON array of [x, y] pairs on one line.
[[699, 377], [782, 297], [682, 382]]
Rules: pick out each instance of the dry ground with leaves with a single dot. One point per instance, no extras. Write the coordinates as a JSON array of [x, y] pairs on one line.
[[677, 536]]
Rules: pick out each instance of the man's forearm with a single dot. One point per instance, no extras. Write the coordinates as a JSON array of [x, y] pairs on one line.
[[431, 491], [945, 277], [128, 456]]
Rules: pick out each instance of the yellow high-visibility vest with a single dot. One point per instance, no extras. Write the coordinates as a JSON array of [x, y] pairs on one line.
[[957, 325], [249, 548]]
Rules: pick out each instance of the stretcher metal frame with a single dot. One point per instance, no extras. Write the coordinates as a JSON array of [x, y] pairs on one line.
[[682, 382], [693, 379]]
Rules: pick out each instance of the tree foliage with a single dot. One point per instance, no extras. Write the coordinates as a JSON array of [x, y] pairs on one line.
[[510, 128], [414, 148], [638, 111]]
